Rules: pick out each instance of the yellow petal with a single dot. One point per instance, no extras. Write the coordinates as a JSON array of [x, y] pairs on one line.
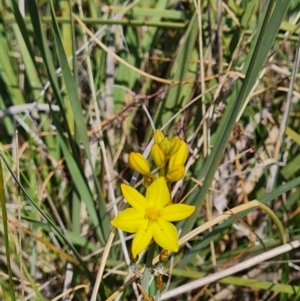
[[158, 136], [134, 198], [176, 173], [175, 145], [128, 220], [142, 238], [166, 146], [176, 212], [137, 162], [158, 156], [157, 194], [180, 156], [165, 235]]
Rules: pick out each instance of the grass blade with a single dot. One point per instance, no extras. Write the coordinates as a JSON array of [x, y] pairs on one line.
[[5, 233]]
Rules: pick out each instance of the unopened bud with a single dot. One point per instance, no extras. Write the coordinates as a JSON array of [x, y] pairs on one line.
[[176, 173], [158, 156], [139, 163], [180, 156], [175, 145], [158, 137]]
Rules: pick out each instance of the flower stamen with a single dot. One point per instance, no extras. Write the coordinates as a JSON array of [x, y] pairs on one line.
[[152, 213]]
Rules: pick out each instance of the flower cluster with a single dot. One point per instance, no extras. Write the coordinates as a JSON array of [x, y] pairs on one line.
[[150, 216], [169, 155]]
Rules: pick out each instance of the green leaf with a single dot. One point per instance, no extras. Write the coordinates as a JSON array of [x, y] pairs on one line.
[[5, 234]]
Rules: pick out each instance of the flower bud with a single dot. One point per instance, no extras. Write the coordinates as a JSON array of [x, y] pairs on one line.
[[175, 145], [180, 156], [138, 163], [164, 256], [148, 180], [158, 137], [166, 146], [176, 173], [158, 156]]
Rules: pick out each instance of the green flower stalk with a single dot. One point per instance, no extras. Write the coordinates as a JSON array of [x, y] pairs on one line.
[[150, 217]]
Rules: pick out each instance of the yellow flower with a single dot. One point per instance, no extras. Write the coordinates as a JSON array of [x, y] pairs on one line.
[[158, 137], [139, 163], [166, 146], [175, 142], [169, 147], [150, 217], [158, 156], [176, 173], [180, 156]]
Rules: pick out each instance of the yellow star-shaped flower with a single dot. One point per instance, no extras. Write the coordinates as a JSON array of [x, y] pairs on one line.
[[150, 217]]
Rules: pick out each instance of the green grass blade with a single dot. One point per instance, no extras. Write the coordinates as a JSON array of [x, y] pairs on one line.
[[31, 72], [266, 35], [102, 225], [5, 233], [180, 70], [47, 218], [266, 199], [7, 67], [243, 282]]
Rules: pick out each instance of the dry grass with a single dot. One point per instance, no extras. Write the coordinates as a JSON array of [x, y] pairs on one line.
[[82, 84]]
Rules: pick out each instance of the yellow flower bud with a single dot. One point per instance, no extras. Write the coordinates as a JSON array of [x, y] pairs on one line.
[[138, 163], [166, 146], [164, 256], [158, 156], [158, 136], [176, 173], [180, 156], [175, 145]]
